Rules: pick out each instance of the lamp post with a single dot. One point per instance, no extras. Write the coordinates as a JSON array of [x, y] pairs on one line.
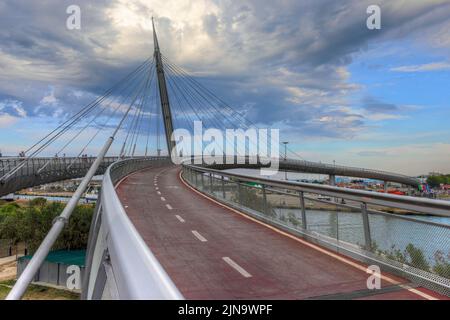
[[285, 157]]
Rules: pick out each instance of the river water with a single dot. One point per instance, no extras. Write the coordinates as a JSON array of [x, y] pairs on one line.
[[387, 232]]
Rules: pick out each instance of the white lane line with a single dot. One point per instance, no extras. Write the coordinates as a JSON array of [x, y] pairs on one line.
[[163, 199], [199, 236], [179, 218], [158, 192], [156, 188], [169, 207], [237, 267]]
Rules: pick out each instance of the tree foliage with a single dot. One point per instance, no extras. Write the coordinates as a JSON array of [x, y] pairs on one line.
[[435, 181], [30, 224]]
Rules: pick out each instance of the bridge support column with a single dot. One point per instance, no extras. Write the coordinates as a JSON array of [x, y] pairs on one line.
[[366, 227], [385, 187], [332, 180], [302, 205]]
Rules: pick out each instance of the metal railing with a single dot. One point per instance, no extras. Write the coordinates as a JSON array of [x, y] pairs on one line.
[[348, 221], [38, 171], [119, 265]]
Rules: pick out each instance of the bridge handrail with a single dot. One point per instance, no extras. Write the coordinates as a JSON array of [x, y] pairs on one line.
[[423, 205], [137, 274]]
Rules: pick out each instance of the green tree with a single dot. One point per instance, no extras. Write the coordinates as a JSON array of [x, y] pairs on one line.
[[416, 257], [31, 224], [435, 180]]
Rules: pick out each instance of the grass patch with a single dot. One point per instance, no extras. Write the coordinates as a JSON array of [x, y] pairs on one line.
[[36, 292]]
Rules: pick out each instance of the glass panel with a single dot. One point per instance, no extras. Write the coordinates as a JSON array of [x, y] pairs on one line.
[[285, 207], [252, 197]]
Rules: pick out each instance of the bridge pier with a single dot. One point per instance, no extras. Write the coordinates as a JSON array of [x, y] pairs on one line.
[[385, 186], [332, 182]]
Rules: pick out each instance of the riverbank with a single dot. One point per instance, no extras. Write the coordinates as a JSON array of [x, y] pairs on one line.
[[38, 292], [61, 194]]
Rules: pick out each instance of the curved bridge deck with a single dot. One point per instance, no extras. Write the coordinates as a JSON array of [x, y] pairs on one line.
[[211, 252]]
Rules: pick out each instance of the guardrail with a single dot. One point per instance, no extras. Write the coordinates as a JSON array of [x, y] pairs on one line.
[[348, 221], [119, 265], [38, 171]]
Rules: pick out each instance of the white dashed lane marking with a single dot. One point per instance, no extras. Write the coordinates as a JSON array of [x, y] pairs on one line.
[[180, 218], [237, 267], [199, 236], [163, 199], [169, 206]]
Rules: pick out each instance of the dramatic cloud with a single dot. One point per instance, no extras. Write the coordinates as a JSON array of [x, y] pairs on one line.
[[281, 63]]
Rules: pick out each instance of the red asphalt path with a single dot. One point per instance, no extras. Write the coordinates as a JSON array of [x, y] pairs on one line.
[[213, 252]]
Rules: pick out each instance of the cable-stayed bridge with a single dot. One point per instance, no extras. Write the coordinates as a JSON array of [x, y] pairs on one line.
[[195, 230]]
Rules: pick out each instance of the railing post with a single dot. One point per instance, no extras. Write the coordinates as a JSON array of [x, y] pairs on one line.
[[302, 205], [223, 188], [196, 179], [211, 183], [366, 226], [266, 207], [203, 182], [239, 192], [337, 225]]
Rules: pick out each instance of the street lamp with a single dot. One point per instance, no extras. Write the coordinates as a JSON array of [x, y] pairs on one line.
[[285, 157]]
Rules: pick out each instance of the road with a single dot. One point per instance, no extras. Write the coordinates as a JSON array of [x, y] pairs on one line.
[[213, 252]]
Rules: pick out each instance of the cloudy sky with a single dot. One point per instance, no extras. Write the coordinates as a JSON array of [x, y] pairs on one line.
[[338, 91]]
